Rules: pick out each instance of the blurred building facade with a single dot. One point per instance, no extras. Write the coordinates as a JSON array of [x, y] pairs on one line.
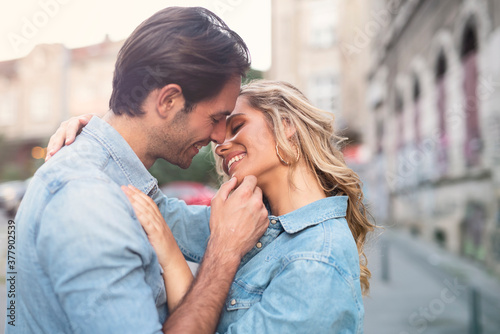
[[418, 83], [48, 86], [306, 35], [304, 52], [433, 129]]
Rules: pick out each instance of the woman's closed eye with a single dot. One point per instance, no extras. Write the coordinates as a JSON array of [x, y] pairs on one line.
[[236, 127]]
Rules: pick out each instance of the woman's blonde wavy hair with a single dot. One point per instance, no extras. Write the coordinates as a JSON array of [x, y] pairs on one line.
[[319, 146]]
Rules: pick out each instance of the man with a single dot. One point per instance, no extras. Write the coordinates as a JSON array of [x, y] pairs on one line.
[[83, 262]]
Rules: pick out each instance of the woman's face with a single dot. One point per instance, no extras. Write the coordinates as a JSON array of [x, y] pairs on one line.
[[249, 147]]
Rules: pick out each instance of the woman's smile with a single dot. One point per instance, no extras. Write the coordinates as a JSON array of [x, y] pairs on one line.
[[234, 161], [249, 140]]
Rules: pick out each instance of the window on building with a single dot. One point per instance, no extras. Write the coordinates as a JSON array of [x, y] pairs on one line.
[[400, 121], [322, 25], [379, 132], [469, 52], [324, 92], [416, 111], [442, 154]]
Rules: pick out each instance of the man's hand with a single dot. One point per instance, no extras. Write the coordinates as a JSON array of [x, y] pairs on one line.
[[239, 219], [66, 133]]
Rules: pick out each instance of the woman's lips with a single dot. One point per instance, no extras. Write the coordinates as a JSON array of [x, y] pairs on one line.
[[235, 159]]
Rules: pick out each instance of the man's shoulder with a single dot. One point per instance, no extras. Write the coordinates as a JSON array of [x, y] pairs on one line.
[[87, 202], [83, 160]]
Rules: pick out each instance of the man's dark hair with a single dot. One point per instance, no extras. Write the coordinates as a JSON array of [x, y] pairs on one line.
[[188, 46]]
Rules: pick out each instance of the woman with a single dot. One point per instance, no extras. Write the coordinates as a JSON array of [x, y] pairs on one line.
[[307, 273]]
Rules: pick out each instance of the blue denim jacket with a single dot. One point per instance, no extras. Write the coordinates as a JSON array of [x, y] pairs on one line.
[[84, 264], [301, 277], [83, 261]]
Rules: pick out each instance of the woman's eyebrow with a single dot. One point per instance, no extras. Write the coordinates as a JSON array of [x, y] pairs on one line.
[[230, 117]]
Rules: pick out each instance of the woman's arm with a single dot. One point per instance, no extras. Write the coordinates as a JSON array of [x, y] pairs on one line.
[[176, 272]]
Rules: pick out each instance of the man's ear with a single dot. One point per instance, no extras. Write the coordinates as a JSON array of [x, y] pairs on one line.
[[169, 98]]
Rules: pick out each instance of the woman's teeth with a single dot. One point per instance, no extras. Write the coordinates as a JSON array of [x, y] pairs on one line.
[[234, 159], [198, 147]]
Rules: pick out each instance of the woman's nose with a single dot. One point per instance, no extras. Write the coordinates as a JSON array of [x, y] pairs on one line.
[[220, 149]]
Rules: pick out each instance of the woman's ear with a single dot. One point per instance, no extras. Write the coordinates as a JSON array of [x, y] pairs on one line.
[[289, 128], [169, 98]]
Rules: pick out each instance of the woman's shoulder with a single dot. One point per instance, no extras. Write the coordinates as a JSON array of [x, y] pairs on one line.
[[331, 242]]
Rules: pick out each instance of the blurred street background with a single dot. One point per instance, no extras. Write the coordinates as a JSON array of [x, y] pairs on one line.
[[414, 86]]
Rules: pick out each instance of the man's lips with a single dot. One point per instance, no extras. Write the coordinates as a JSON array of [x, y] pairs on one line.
[[199, 145]]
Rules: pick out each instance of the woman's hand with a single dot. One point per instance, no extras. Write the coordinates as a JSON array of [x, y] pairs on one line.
[[176, 272], [152, 222], [66, 133]]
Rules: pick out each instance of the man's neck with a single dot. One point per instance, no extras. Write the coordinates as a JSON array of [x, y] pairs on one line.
[[133, 132]]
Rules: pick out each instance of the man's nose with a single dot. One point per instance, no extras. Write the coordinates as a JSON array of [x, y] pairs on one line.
[[219, 133]]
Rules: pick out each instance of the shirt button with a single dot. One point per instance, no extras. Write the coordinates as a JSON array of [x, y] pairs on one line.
[[259, 245], [273, 221], [233, 302]]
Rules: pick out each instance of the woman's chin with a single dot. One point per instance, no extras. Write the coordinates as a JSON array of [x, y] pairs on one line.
[[239, 178]]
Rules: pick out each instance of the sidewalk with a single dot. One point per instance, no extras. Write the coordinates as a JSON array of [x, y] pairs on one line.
[[428, 290]]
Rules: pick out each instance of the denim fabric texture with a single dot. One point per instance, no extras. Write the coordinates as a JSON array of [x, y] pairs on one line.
[[301, 277], [84, 263]]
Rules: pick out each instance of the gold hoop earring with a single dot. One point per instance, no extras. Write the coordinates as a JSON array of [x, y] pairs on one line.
[[279, 156], [298, 155]]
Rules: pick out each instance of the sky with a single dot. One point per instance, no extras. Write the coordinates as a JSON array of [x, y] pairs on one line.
[[77, 23]]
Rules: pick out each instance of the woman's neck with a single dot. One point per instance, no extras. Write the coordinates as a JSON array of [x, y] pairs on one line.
[[285, 196]]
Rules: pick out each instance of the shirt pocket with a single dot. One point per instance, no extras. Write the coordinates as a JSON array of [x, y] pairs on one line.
[[242, 296]]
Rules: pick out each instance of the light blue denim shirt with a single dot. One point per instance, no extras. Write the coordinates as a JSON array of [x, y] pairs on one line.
[[83, 262], [301, 277]]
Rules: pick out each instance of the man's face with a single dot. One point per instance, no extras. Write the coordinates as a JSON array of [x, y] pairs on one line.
[[187, 133]]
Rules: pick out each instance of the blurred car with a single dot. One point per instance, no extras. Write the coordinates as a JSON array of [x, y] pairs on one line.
[[193, 193], [11, 195]]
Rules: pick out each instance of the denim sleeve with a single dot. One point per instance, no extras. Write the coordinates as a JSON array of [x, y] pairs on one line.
[[307, 296], [189, 224], [95, 254]]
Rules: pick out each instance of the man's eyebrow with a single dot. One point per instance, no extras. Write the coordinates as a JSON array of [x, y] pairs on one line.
[[230, 117]]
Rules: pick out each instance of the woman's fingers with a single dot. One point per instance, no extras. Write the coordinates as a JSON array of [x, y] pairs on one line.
[[154, 225], [146, 211], [56, 141], [146, 203], [75, 126], [66, 133]]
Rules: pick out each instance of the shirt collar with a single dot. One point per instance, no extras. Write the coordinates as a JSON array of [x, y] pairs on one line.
[[313, 214], [122, 154]]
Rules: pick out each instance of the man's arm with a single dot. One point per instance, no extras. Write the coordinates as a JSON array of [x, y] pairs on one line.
[[95, 254], [236, 224]]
